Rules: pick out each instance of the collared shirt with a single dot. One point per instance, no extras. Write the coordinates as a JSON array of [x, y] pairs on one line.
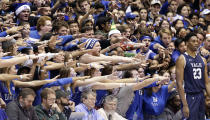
[[89, 114]]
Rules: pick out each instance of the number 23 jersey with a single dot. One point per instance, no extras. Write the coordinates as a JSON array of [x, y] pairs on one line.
[[194, 81]]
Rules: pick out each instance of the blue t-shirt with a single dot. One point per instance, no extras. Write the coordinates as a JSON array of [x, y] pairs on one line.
[[34, 34], [5, 93], [155, 104], [3, 115], [175, 55]]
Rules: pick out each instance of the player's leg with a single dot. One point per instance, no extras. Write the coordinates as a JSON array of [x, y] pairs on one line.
[[193, 105], [202, 107]]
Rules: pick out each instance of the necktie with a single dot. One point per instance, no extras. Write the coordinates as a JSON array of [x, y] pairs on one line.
[[110, 117]]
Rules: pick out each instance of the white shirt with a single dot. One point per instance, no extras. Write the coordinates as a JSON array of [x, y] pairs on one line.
[[115, 115]]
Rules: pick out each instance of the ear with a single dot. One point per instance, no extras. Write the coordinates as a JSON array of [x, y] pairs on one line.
[[20, 98], [103, 25], [58, 101]]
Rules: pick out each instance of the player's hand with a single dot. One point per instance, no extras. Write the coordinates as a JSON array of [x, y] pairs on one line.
[[186, 111]]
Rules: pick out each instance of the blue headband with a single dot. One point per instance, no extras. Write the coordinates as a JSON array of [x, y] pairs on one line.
[[145, 37], [90, 43]]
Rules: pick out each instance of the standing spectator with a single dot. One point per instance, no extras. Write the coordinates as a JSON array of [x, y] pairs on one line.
[[44, 25], [155, 9]]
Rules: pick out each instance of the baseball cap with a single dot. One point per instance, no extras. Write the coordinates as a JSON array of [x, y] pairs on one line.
[[115, 31], [206, 12], [130, 15], [155, 2]]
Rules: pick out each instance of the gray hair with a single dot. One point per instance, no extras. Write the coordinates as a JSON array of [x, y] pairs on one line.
[[87, 92], [110, 98]]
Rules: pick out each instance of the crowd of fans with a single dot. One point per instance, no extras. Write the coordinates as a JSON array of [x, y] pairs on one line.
[[96, 59]]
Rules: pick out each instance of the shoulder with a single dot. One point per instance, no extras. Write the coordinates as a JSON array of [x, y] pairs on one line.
[[79, 108], [12, 104], [101, 112], [204, 60], [38, 108], [33, 31], [12, 107], [118, 117], [181, 59]]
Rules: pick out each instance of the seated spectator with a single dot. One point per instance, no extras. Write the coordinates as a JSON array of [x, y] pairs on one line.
[[108, 112], [88, 99], [22, 109], [66, 106], [48, 109], [173, 108]]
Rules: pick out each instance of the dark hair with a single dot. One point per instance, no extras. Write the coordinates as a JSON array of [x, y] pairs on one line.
[[106, 70], [46, 36], [65, 72], [179, 9], [177, 42], [84, 22], [188, 36], [175, 22], [58, 24], [81, 1], [25, 51], [102, 20], [161, 22], [99, 5], [194, 14], [72, 21], [86, 28], [22, 69], [127, 74], [25, 92]]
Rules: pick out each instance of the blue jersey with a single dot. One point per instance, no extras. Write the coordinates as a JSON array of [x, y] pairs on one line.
[[194, 74]]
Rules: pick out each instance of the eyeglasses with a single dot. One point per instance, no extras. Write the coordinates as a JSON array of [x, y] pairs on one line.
[[51, 99]]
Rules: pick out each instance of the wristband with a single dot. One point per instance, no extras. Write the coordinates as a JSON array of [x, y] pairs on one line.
[[122, 84], [28, 57], [21, 77], [78, 64], [157, 79], [137, 79]]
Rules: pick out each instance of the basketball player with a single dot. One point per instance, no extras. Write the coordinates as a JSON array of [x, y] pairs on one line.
[[192, 80]]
